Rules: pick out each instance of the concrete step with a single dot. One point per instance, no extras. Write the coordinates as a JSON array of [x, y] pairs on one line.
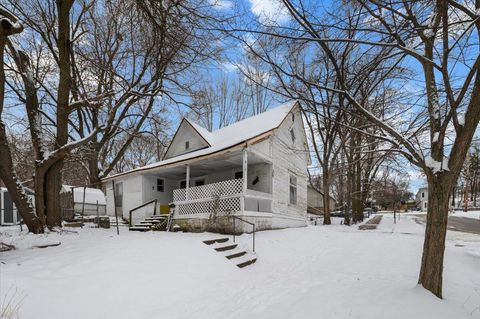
[[213, 241], [140, 228], [158, 219], [236, 255], [145, 223], [246, 260], [227, 247]]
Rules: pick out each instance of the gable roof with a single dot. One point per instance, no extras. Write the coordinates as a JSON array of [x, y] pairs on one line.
[[201, 132], [228, 136]]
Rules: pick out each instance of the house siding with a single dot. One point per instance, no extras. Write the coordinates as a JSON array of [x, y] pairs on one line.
[[185, 133], [289, 158]]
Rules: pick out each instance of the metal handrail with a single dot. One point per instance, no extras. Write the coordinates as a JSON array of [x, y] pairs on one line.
[[141, 206], [247, 222]]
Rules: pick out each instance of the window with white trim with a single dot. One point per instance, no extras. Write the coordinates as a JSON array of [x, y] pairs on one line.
[[292, 135], [187, 145], [293, 190], [160, 185]]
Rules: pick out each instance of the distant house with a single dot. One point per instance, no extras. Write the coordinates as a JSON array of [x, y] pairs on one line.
[[315, 201], [422, 198], [8, 212], [75, 200], [255, 169]]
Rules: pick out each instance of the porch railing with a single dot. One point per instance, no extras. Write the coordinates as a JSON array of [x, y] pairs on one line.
[[224, 197], [224, 188], [130, 223], [247, 222]]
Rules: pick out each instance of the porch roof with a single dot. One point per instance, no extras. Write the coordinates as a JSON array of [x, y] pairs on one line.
[[207, 165], [229, 138]]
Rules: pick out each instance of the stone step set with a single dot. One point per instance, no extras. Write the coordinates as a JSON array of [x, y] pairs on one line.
[[149, 223], [241, 257]]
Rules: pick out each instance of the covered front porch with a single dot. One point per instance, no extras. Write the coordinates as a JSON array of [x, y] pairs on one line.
[[238, 183]]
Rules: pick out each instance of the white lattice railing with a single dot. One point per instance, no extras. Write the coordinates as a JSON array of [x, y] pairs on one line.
[[209, 191], [223, 196], [221, 205]]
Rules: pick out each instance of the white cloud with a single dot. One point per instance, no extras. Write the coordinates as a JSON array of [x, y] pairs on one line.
[[269, 10], [221, 4], [229, 67]]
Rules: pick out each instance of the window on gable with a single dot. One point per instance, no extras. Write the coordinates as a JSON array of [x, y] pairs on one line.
[[423, 195], [187, 145], [292, 135], [293, 190], [160, 185]]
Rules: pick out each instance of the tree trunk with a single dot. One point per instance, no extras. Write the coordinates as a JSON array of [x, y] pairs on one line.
[[326, 199], [16, 191], [431, 270], [53, 184], [7, 170]]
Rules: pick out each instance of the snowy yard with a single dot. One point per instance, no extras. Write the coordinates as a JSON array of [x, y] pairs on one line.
[[313, 272]]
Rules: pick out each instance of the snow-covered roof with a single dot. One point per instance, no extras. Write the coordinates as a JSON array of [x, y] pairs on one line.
[[228, 136], [92, 195]]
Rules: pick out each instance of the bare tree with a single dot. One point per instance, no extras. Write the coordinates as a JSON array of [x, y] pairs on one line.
[[427, 33], [432, 37]]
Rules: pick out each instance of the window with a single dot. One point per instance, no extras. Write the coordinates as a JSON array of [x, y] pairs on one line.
[[238, 175], [293, 190], [183, 184], [160, 185], [118, 194], [187, 145], [292, 135], [423, 195], [425, 205], [200, 182]]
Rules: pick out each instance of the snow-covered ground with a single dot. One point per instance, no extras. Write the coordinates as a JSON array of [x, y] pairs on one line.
[[475, 214], [314, 272]]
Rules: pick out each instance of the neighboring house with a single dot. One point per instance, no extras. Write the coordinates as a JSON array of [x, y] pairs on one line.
[[255, 169], [315, 201], [422, 198], [8, 212], [74, 199]]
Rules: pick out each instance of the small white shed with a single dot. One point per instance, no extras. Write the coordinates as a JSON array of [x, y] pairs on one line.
[[73, 198], [8, 212]]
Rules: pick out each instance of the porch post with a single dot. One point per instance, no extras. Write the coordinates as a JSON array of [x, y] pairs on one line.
[[187, 182], [245, 169], [245, 177]]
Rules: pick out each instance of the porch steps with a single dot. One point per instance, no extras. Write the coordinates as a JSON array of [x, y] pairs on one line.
[[241, 257], [149, 222]]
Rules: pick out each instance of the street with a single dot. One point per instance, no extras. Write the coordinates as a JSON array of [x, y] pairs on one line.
[[462, 224]]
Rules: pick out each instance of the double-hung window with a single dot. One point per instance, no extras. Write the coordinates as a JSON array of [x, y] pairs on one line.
[[293, 190]]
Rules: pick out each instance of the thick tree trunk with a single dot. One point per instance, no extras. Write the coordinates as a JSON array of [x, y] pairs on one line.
[[53, 184], [431, 270], [358, 194], [326, 200], [7, 170]]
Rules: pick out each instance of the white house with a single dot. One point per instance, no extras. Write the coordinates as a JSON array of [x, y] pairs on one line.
[[422, 198], [255, 169], [315, 201]]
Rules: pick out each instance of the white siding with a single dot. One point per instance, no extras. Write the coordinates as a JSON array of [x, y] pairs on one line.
[[185, 133], [132, 194], [290, 158]]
